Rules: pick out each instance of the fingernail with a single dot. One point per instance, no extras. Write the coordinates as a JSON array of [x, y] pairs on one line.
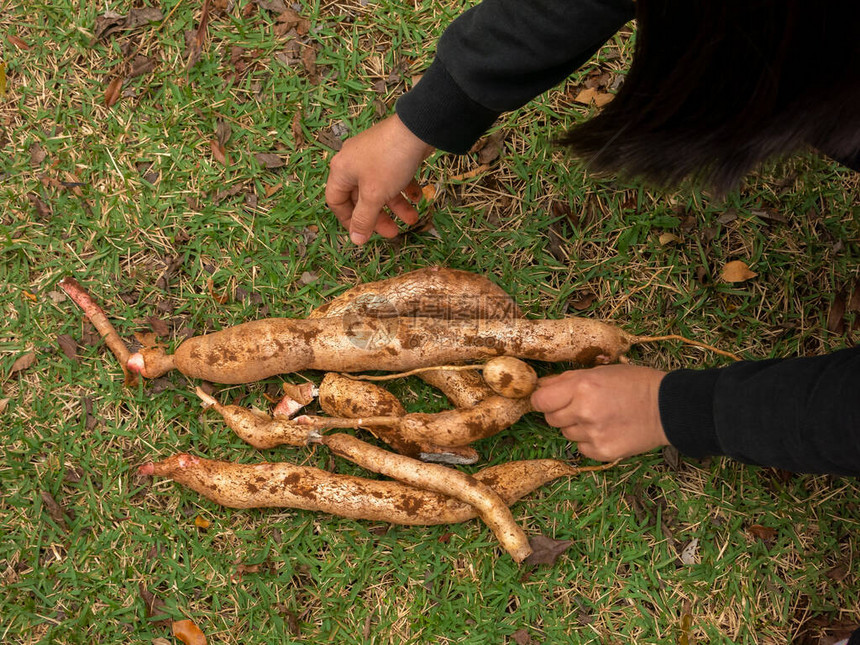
[[358, 238]]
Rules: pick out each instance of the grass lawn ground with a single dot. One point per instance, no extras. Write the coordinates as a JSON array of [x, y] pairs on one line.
[[150, 189]]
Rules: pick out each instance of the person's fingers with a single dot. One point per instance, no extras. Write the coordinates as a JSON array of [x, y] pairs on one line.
[[364, 217], [340, 202], [413, 192], [552, 396], [601, 452], [543, 381], [573, 433], [592, 451], [403, 209], [386, 226], [566, 416]]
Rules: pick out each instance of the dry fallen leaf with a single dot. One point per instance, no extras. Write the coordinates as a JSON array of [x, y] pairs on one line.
[[836, 315], [690, 553], [37, 154], [583, 300], [23, 362], [198, 38], [839, 572], [188, 632], [546, 550], [668, 238], [220, 299], [586, 96], [308, 277], [57, 513], [68, 345], [521, 637], [112, 93], [223, 132], [737, 271], [111, 21], [153, 605], [219, 152], [296, 129], [309, 62], [269, 160], [602, 98], [146, 338], [20, 44], [489, 148], [42, 209], [470, 174], [429, 192], [158, 326], [4, 403], [275, 6], [763, 533], [141, 65]]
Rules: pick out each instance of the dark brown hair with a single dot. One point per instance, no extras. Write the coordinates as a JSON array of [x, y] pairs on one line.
[[717, 86]]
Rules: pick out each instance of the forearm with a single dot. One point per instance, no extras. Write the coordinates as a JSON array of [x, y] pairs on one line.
[[799, 414], [498, 56]]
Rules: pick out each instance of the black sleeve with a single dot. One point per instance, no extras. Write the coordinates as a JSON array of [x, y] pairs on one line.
[[498, 56], [799, 414]]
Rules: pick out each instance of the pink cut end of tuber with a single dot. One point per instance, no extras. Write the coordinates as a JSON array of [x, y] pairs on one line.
[[147, 469], [136, 363]]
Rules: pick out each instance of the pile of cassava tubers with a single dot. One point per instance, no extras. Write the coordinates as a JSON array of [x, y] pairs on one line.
[[428, 322]]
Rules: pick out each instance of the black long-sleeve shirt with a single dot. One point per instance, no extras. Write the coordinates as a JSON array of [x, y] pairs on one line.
[[800, 414], [498, 56]]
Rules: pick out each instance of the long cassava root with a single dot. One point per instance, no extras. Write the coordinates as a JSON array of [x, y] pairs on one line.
[[263, 348], [410, 434], [441, 479], [434, 292], [284, 485]]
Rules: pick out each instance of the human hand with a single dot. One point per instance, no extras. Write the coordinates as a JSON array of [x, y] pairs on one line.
[[610, 411], [369, 173]]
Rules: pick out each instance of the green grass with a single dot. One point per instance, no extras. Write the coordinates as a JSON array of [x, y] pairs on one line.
[[149, 246]]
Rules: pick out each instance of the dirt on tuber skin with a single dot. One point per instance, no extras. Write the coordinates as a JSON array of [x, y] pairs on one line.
[[434, 292], [259, 429], [510, 377], [259, 349], [412, 434], [441, 479], [340, 396], [283, 485]]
